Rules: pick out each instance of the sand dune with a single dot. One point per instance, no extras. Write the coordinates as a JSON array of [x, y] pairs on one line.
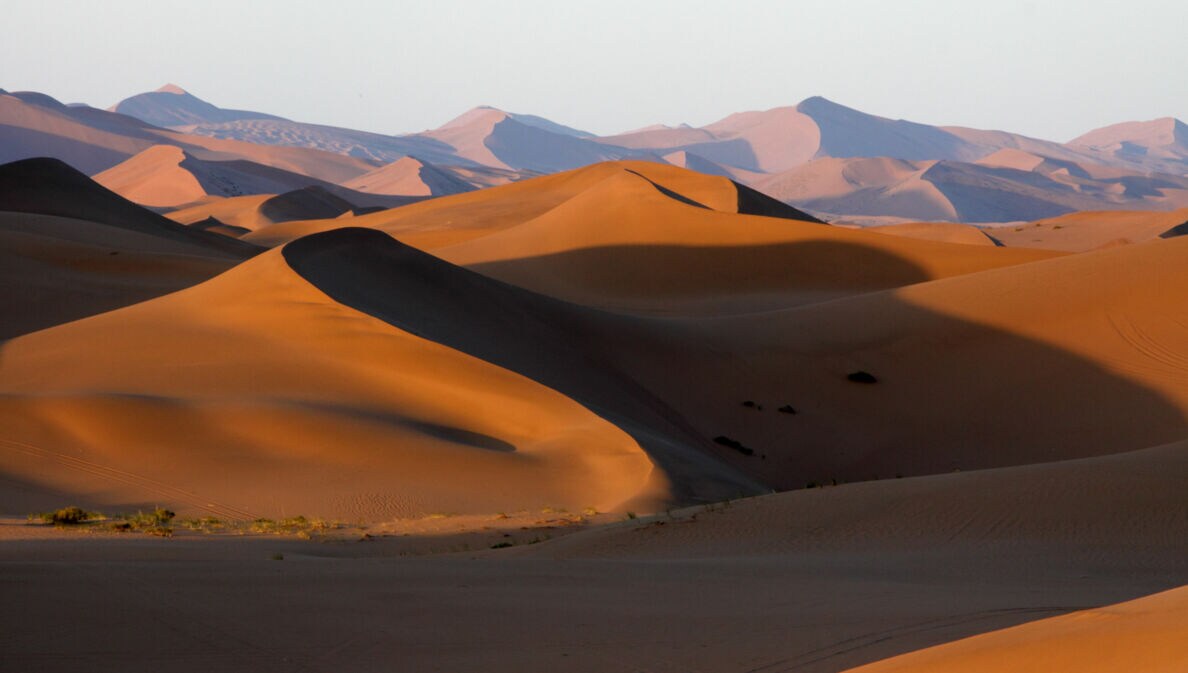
[[1090, 230], [1130, 502], [50, 187], [666, 255], [314, 206], [693, 162], [498, 139], [172, 105], [1159, 144], [346, 415], [56, 269], [1062, 358], [60, 267], [410, 177], [947, 232], [1141, 635], [154, 177], [242, 212], [552, 235], [1007, 186], [461, 217], [35, 125], [167, 176]]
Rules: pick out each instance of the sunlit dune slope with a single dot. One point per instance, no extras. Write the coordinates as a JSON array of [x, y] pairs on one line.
[[1090, 230], [1145, 635], [461, 217], [256, 394], [946, 232], [242, 212]]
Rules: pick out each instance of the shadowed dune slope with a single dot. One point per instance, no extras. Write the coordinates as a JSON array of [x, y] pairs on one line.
[[317, 206], [192, 400], [50, 187], [1147, 634], [57, 269], [1063, 358], [1130, 501], [546, 340], [173, 106]]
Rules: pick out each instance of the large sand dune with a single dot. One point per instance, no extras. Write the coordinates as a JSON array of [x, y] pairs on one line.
[[644, 237], [191, 399]]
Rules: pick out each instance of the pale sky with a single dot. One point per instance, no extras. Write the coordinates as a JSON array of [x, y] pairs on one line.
[[1048, 69]]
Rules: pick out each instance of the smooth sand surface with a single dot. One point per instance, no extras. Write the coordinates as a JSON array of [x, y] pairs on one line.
[[410, 176], [193, 399], [818, 581], [154, 177], [1062, 358], [237, 211], [57, 269], [71, 249], [947, 232], [1146, 635], [1090, 230]]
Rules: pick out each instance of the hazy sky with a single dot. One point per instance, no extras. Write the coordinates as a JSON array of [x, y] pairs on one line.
[[1050, 69]]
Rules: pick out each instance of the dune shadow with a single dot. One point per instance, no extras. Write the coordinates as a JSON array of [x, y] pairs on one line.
[[446, 433], [674, 385], [690, 270], [541, 338]]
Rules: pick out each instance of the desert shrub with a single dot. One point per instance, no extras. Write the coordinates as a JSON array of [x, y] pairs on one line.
[[205, 524], [68, 516]]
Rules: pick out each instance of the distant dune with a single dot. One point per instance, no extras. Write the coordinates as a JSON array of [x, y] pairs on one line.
[[173, 106], [91, 140], [410, 177]]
